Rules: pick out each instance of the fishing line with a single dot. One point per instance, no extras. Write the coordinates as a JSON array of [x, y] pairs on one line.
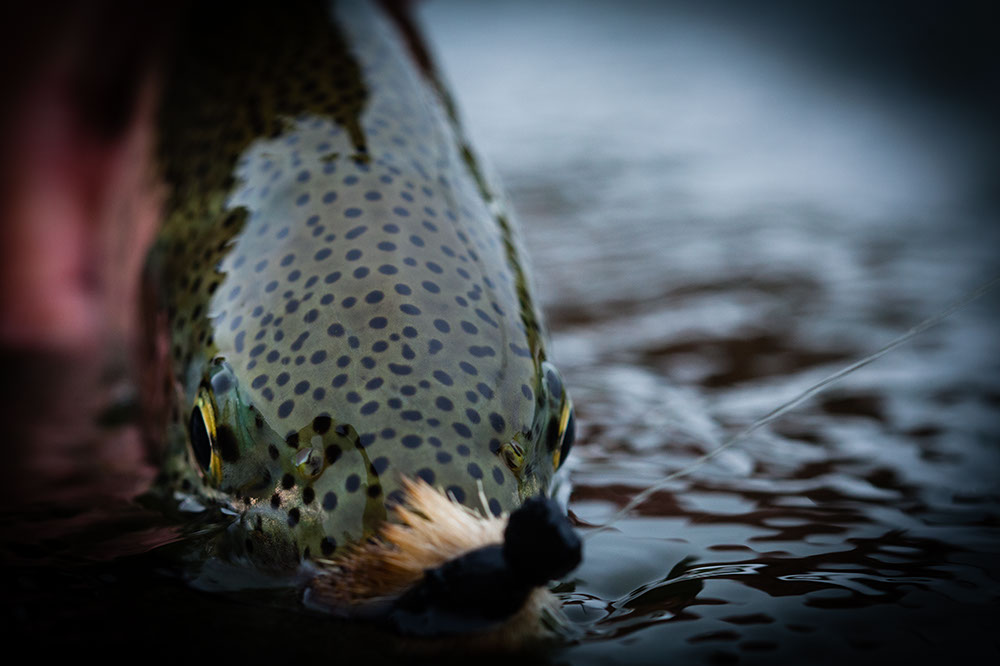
[[780, 410]]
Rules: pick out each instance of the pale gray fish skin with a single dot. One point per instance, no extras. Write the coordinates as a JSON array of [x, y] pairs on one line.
[[345, 291]]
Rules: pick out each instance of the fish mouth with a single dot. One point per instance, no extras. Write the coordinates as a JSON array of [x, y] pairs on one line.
[[444, 570]]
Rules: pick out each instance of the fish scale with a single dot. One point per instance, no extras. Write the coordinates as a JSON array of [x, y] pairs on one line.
[[345, 296]]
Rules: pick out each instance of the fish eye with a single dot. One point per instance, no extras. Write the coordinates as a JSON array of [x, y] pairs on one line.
[[567, 433], [202, 433], [568, 437]]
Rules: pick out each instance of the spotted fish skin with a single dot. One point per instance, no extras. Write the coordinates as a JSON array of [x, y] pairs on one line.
[[343, 289]]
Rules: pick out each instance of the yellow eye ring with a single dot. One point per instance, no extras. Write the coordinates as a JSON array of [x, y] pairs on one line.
[[202, 436], [567, 411]]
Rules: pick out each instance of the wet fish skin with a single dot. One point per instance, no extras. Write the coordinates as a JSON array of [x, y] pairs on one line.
[[344, 290]]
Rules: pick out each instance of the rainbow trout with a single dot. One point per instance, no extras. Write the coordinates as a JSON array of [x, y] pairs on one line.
[[344, 292]]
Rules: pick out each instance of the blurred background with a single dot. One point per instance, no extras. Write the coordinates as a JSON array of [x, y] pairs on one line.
[[722, 202]]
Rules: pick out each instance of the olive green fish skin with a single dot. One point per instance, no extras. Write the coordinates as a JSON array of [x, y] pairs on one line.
[[344, 291]]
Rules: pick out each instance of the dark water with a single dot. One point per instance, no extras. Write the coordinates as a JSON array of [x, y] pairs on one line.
[[715, 222]]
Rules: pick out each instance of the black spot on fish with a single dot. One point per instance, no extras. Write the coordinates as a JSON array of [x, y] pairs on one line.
[[321, 424], [229, 447]]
